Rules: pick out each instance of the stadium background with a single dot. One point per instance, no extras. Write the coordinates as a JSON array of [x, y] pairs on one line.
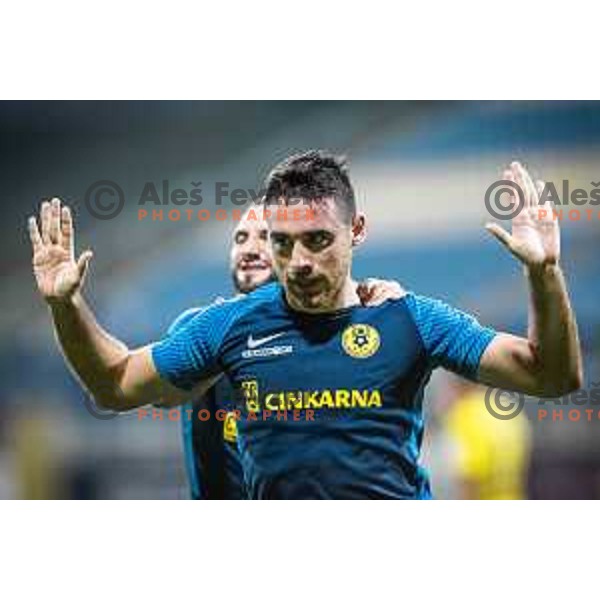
[[420, 169]]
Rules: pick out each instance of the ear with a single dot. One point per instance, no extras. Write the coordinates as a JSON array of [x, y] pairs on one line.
[[359, 229]]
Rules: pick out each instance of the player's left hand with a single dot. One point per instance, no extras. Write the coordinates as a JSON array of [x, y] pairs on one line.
[[373, 292], [535, 238]]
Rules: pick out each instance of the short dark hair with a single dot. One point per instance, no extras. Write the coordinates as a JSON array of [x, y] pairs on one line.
[[311, 176]]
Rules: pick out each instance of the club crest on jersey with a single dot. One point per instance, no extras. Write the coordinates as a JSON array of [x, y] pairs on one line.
[[360, 340], [250, 391]]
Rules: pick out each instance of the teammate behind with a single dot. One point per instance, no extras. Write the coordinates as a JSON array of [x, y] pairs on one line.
[[210, 446]]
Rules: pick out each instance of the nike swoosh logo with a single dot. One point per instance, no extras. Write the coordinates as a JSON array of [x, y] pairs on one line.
[[252, 343]]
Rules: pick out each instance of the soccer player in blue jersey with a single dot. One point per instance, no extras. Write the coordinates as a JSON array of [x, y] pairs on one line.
[[210, 445], [330, 391]]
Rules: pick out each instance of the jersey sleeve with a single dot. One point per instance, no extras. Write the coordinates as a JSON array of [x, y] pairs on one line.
[[453, 339], [190, 351]]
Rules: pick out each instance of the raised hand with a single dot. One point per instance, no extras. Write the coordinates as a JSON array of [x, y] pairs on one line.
[[57, 273], [373, 292], [534, 241]]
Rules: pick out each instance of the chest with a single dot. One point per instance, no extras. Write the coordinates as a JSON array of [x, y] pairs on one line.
[[362, 350]]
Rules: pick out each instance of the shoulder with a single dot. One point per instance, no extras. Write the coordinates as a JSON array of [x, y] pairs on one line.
[[184, 318], [245, 304], [416, 305], [436, 320], [417, 302], [219, 316], [262, 295], [426, 310]]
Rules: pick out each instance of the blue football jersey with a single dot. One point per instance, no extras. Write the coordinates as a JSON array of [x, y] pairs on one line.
[[209, 430], [330, 405]]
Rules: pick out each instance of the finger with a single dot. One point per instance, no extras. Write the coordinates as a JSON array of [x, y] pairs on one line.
[[525, 183], [364, 295], [55, 233], [544, 212], [500, 234], [508, 174], [83, 263], [45, 217], [389, 290], [378, 298], [533, 193], [512, 194], [372, 289], [518, 179], [66, 225], [385, 290], [395, 290], [34, 235], [365, 290]]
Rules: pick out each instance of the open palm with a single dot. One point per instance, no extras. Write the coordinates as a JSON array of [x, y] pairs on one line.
[[535, 235], [57, 273]]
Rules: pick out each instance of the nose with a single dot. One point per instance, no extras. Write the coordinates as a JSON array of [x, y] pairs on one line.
[[250, 254], [300, 264], [254, 248]]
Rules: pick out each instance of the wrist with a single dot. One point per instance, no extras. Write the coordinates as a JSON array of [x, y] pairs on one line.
[[64, 302], [541, 271]]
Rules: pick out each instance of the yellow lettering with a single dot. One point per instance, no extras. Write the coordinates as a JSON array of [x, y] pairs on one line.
[[274, 401], [375, 399], [342, 399], [302, 400], [311, 400], [326, 399], [359, 398], [293, 400]]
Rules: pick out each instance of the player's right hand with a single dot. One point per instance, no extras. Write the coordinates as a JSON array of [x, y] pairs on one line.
[[57, 273]]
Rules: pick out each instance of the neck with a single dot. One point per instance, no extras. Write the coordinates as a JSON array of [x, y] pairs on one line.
[[348, 296], [345, 298]]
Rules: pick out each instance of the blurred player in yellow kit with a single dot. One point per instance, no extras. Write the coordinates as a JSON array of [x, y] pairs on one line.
[[490, 455]]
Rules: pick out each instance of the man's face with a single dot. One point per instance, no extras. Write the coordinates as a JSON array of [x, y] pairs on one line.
[[312, 257], [250, 257]]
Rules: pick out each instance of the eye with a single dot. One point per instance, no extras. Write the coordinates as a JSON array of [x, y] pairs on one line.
[[240, 237], [281, 243], [317, 240]]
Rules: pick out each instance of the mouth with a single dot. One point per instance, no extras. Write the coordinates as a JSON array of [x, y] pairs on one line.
[[308, 287], [254, 266]]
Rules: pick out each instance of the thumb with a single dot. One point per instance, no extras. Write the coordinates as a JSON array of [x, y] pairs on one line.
[[83, 262], [500, 234]]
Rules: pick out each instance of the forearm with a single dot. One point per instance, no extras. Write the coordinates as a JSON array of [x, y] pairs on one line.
[[118, 379], [548, 361], [552, 330], [97, 358]]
